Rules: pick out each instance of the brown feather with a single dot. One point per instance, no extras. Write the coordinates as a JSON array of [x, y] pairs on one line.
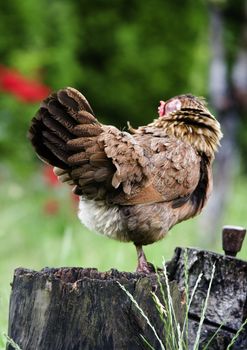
[[67, 101], [136, 186], [85, 117], [102, 174], [55, 127], [87, 130], [78, 158], [81, 143]]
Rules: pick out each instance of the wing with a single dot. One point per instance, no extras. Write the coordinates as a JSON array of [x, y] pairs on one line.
[[174, 171], [176, 168], [103, 162], [98, 160], [128, 157]]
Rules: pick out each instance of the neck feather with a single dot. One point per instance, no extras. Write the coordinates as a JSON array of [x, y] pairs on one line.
[[202, 132]]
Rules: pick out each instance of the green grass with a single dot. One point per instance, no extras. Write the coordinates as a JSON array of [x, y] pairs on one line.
[[176, 334], [33, 239], [176, 338]]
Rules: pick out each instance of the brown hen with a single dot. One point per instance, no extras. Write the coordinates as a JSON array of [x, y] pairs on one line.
[[133, 186]]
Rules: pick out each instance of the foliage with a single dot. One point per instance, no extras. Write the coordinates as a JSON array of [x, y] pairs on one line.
[[125, 58]]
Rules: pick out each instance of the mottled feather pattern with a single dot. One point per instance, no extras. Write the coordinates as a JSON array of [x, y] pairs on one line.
[[174, 167], [133, 186], [129, 159]]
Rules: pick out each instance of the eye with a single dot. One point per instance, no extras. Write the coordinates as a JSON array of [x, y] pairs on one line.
[[172, 106]]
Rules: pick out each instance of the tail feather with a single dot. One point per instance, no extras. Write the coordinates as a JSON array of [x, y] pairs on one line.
[[38, 135], [55, 127], [64, 121], [80, 143], [60, 115], [87, 130], [74, 100], [85, 118], [65, 134]]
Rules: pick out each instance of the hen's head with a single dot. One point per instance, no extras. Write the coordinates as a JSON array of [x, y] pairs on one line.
[[187, 117]]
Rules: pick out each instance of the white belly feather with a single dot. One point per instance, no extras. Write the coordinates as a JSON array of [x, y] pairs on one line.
[[102, 218]]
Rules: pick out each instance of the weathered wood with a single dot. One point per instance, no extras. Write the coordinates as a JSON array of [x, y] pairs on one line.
[[75, 309], [227, 303], [232, 239], [80, 309]]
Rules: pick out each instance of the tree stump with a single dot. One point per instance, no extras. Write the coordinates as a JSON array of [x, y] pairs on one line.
[[83, 309], [80, 309], [227, 304]]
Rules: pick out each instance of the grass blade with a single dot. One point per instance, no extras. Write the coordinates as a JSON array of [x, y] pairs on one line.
[[171, 312], [166, 316], [186, 290], [160, 307], [213, 336], [196, 345], [237, 334], [186, 321], [11, 342], [146, 342], [142, 313]]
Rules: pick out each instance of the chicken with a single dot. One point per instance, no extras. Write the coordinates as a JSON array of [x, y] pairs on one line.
[[133, 186]]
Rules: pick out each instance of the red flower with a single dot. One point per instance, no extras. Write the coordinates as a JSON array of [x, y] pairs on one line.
[[27, 90]]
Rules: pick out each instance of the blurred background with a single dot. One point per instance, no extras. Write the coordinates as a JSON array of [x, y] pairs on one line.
[[124, 56]]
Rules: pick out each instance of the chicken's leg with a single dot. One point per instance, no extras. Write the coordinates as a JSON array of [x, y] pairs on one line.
[[143, 264]]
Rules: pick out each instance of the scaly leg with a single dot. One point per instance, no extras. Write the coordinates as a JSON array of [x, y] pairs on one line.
[[143, 265]]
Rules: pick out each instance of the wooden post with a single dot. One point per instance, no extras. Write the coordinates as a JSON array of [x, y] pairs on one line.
[[232, 239]]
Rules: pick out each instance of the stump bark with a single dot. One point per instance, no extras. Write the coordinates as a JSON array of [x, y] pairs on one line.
[[80, 309], [227, 304]]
